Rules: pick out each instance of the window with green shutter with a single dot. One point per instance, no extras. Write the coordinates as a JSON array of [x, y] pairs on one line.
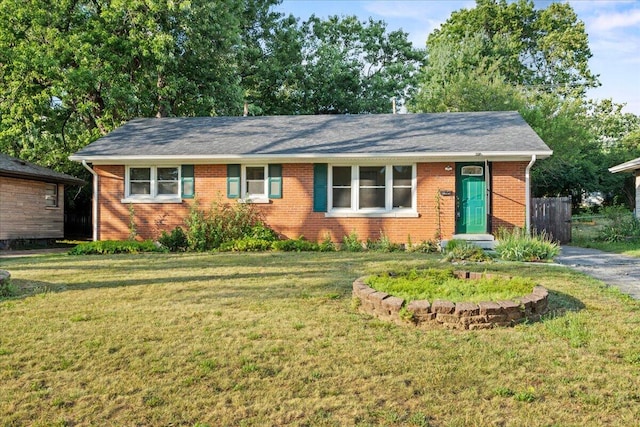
[[233, 181], [188, 182], [275, 181], [320, 187]]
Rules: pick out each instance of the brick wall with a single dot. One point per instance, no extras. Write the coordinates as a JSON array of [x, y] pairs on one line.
[[293, 215], [508, 195], [23, 214]]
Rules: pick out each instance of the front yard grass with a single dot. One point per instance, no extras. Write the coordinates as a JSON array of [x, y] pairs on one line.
[[271, 339], [585, 233]]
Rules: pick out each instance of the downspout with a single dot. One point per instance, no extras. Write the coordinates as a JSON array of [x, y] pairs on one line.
[[94, 208], [527, 180]]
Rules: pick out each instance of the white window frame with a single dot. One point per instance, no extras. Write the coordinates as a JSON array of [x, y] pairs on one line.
[[388, 210], [48, 197], [254, 198], [153, 197]]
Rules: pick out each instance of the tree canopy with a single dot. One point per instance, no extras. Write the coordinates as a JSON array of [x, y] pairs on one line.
[[73, 70], [511, 56], [334, 66], [543, 48]]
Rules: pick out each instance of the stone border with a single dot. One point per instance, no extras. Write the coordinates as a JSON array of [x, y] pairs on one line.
[[4, 276], [462, 315]]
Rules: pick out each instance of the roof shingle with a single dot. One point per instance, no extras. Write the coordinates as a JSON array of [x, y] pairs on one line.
[[324, 135], [16, 168]]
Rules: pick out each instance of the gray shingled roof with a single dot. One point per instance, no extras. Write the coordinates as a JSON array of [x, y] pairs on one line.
[[16, 168], [317, 136]]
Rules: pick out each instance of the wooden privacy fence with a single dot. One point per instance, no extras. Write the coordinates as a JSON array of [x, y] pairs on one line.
[[552, 215]]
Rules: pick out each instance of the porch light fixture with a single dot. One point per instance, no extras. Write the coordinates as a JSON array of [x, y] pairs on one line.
[[448, 168]]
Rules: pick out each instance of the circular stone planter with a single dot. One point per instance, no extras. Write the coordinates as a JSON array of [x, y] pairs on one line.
[[4, 276], [461, 315]]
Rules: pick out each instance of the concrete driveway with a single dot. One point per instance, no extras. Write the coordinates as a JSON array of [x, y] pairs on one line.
[[616, 270]]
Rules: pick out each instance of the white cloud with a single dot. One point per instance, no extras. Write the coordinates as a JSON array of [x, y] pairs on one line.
[[617, 20]]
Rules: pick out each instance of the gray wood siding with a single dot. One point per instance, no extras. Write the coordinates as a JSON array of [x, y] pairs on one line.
[[23, 214]]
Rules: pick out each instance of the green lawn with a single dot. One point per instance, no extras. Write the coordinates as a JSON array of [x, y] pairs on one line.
[[271, 339], [585, 234]]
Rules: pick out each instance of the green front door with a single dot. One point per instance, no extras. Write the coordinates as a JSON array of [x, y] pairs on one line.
[[471, 203]]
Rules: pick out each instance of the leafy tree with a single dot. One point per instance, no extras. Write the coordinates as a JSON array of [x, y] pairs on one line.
[[617, 135], [270, 58], [334, 66], [543, 48], [457, 77], [573, 168], [73, 70]]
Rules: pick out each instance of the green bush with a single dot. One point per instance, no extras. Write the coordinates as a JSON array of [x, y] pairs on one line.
[[247, 244], [327, 244], [460, 250], [115, 247], [296, 245], [352, 243], [517, 245], [383, 244], [7, 289], [176, 241], [621, 225], [261, 231], [425, 247], [224, 222]]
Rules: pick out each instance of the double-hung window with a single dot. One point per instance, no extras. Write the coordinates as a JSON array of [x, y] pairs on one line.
[[51, 195], [341, 186], [255, 182], [152, 183], [380, 190]]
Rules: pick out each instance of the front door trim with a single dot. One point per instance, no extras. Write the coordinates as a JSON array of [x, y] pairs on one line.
[[471, 198]]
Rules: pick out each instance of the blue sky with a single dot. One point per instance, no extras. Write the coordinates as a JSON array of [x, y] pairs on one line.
[[613, 27]]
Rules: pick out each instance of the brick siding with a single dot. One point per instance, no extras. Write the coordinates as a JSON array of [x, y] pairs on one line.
[[293, 215]]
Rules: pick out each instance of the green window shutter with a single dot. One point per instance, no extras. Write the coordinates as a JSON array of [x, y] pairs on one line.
[[233, 181], [188, 182], [275, 181], [320, 178]]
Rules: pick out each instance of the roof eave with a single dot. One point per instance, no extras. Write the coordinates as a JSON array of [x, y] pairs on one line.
[[629, 166], [42, 178], [306, 158]]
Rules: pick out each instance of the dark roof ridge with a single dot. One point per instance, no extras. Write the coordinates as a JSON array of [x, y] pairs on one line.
[[18, 168]]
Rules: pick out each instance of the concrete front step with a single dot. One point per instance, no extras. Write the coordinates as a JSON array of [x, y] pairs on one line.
[[485, 241]]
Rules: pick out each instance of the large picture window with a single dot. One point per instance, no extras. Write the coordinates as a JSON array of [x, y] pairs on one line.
[[152, 183], [374, 190]]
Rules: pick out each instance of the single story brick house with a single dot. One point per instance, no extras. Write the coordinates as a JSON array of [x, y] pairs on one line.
[[31, 201], [632, 166], [409, 176]]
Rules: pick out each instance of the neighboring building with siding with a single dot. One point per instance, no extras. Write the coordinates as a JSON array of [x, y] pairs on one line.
[[408, 176], [632, 166], [31, 201]]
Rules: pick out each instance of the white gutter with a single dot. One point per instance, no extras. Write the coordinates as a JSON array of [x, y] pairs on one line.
[[94, 208], [527, 191], [305, 158]]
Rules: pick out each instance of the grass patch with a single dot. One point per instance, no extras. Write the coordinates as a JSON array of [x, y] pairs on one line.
[[270, 339], [591, 232], [432, 284]]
